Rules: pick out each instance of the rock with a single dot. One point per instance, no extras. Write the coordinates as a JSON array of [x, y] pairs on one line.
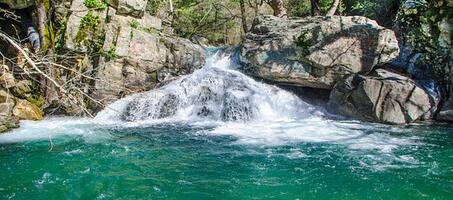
[[6, 97], [3, 69], [315, 51], [24, 110], [383, 96], [7, 80], [446, 112], [134, 8], [22, 88], [84, 26], [112, 3], [7, 123], [138, 57]]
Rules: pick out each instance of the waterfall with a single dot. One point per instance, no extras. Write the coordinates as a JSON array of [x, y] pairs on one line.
[[217, 92]]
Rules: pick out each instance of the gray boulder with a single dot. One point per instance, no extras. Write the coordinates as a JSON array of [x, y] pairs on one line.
[[137, 57], [315, 51], [446, 112], [383, 96]]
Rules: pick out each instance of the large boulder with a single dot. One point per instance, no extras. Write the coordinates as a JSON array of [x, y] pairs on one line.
[[137, 57], [315, 51], [383, 96]]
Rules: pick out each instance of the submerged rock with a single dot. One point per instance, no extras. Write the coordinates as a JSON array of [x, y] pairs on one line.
[[315, 51], [383, 96]]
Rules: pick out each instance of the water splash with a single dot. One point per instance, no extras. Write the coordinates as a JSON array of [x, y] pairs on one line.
[[217, 92]]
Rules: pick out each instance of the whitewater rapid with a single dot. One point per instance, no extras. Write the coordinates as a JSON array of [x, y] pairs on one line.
[[217, 92]]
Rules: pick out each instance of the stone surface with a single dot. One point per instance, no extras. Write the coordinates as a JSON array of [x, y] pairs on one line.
[[7, 123], [22, 88], [6, 97], [446, 113], [24, 110], [139, 57], [77, 36], [383, 96], [7, 80], [134, 8], [315, 51]]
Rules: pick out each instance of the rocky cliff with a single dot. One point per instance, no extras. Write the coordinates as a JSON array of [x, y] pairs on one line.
[[109, 50]]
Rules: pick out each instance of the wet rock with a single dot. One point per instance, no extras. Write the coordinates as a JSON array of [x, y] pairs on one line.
[[315, 51], [8, 123], [383, 96], [446, 113]]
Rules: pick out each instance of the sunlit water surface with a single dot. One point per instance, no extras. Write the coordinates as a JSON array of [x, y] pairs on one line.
[[308, 159]]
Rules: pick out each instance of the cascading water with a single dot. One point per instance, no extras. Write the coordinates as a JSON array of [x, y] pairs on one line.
[[216, 92]]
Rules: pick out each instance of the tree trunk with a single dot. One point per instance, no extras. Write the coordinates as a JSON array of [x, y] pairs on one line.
[[279, 9], [315, 8], [42, 20], [243, 16], [333, 8]]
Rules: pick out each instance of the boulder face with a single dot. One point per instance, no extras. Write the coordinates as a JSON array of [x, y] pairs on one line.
[[315, 51], [135, 54], [446, 113], [137, 57], [383, 96]]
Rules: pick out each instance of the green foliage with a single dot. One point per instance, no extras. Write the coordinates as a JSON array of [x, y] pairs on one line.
[[38, 101], [303, 42], [421, 25], [95, 4], [88, 25], [153, 6], [110, 54], [299, 8], [383, 11], [60, 38], [135, 24], [211, 19], [302, 8], [90, 34]]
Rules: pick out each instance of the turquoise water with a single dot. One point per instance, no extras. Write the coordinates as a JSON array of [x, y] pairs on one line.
[[314, 159]]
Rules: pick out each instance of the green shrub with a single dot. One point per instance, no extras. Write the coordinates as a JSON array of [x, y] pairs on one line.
[[95, 4]]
